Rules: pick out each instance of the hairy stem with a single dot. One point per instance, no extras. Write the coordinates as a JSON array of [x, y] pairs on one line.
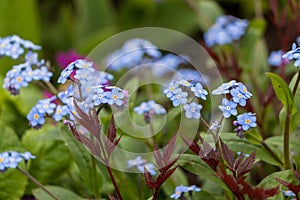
[[37, 183], [155, 195], [114, 182]]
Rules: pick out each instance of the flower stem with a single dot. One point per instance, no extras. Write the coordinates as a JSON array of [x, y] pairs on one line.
[[155, 195], [114, 182], [296, 84], [37, 183], [51, 88]]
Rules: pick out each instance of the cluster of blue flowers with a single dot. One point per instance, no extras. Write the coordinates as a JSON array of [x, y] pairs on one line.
[[293, 54], [22, 74], [141, 165], [11, 159], [91, 88], [137, 52], [177, 94], [236, 94], [148, 109], [180, 190], [226, 30]]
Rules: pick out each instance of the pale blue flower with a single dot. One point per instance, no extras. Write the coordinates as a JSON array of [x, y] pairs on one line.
[[246, 120], [192, 110], [228, 108], [115, 97], [171, 89], [179, 97], [199, 91]]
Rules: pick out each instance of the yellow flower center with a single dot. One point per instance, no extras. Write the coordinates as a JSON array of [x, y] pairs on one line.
[[240, 95], [172, 88], [114, 97], [1, 160], [58, 111], [19, 79], [247, 121], [36, 116]]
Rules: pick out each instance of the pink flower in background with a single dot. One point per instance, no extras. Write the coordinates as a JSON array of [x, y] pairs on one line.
[[65, 58]]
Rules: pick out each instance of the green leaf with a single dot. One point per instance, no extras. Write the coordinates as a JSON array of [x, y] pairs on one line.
[[296, 117], [83, 160], [283, 92], [270, 181], [237, 144], [59, 192], [12, 182], [52, 156], [209, 11], [93, 15], [197, 166]]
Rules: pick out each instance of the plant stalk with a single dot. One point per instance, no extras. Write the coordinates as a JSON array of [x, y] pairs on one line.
[[286, 140], [114, 182], [296, 84], [37, 183]]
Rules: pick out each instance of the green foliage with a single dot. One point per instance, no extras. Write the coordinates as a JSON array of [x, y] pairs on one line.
[[83, 160], [53, 157], [59, 192], [12, 182], [283, 93]]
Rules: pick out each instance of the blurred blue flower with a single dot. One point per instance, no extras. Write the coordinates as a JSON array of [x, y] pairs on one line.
[[27, 156], [192, 110], [149, 167], [179, 97], [35, 117], [199, 91], [43, 73], [3, 160], [180, 190], [14, 50], [131, 54], [226, 30], [246, 120], [136, 162], [275, 59], [191, 75], [150, 107], [228, 108], [167, 63]]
